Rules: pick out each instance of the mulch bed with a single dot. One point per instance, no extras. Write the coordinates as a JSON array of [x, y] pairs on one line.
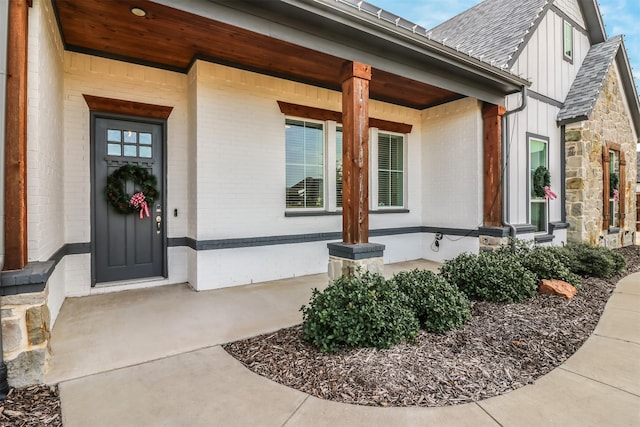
[[503, 347], [38, 405]]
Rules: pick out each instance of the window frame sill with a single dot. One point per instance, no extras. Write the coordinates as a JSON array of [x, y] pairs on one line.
[[299, 214]]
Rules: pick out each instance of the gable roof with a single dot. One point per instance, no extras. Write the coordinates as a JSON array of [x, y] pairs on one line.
[[586, 87], [485, 32]]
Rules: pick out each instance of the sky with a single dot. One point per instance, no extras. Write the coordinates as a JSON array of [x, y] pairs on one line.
[[620, 17]]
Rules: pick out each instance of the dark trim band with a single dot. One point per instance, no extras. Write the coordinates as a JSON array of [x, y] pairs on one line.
[[34, 276], [542, 98], [356, 252], [566, 17]]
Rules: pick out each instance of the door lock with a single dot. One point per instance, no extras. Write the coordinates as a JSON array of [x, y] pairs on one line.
[[158, 224]]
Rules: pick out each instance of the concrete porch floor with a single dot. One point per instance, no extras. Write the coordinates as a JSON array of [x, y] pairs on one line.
[[153, 358], [104, 332]]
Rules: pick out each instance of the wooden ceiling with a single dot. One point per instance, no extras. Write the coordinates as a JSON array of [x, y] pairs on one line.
[[173, 39]]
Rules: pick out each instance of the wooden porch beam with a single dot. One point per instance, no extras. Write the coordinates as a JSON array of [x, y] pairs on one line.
[[306, 112], [355, 152], [492, 136], [15, 191]]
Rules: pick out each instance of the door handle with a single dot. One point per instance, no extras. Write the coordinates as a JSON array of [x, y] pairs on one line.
[[158, 224]]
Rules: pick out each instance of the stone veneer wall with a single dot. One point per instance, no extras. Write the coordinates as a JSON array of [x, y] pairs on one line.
[[609, 122], [25, 337]]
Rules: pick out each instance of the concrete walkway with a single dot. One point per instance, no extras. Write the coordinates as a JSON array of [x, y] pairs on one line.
[[153, 358]]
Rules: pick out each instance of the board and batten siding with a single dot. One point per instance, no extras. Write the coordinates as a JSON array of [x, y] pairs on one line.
[[572, 9], [539, 118], [541, 60]]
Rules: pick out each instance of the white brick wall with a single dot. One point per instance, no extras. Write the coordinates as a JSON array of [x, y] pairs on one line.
[[45, 208], [231, 267], [226, 170], [113, 79], [241, 155], [452, 191]]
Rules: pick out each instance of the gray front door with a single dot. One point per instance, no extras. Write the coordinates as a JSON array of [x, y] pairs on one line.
[[126, 246]]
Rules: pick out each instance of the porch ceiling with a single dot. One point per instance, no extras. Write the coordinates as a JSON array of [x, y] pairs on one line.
[[173, 39]]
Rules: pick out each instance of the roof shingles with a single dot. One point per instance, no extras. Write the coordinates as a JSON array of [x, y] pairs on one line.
[[586, 87], [484, 30]]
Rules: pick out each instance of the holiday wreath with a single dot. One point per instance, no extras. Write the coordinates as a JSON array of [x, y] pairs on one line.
[[613, 183], [541, 179], [124, 203]]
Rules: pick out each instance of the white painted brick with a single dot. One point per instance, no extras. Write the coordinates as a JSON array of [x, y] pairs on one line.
[[452, 164], [45, 208]]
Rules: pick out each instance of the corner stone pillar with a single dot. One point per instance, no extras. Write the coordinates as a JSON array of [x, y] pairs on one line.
[[355, 250]]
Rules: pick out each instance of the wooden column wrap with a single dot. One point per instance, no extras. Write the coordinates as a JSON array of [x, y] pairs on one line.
[[622, 190], [606, 215], [355, 152], [15, 191], [492, 146]]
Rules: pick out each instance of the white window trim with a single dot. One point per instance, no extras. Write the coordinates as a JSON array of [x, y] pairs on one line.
[[373, 169], [330, 166]]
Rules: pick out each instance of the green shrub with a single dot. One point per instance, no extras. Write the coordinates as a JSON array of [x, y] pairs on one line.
[[464, 272], [545, 262], [361, 311], [594, 261], [438, 305], [491, 276]]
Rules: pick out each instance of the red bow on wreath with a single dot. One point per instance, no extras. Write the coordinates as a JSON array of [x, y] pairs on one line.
[[548, 194], [138, 201]]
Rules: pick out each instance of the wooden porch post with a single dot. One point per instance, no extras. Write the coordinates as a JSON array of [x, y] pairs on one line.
[[492, 131], [15, 192], [355, 152]]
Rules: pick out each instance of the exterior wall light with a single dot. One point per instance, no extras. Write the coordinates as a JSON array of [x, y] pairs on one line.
[[138, 12]]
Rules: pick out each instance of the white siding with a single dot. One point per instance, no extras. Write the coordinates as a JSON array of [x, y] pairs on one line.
[[539, 119], [541, 60], [572, 9]]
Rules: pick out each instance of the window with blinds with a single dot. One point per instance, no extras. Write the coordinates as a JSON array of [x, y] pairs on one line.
[[339, 167], [390, 170], [304, 164]]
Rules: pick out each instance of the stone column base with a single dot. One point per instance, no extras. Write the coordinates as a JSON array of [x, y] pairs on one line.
[[345, 259], [25, 337], [493, 237]]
